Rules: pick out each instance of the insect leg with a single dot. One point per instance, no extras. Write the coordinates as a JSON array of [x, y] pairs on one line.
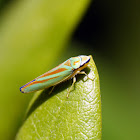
[[83, 72], [74, 80], [51, 90]]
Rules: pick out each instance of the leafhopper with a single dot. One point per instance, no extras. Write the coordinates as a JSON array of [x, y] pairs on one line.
[[65, 71]]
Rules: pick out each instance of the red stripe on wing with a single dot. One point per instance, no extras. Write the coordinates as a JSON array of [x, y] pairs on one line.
[[67, 63], [36, 82], [53, 72]]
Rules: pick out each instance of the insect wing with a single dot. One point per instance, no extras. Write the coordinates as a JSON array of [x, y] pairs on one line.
[[50, 78]]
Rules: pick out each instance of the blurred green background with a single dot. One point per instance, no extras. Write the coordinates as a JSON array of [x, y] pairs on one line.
[[36, 35]]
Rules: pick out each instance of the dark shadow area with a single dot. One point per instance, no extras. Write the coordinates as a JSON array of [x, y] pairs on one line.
[[93, 26], [4, 4]]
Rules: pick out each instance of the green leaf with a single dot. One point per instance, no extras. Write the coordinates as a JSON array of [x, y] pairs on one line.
[[56, 117]]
